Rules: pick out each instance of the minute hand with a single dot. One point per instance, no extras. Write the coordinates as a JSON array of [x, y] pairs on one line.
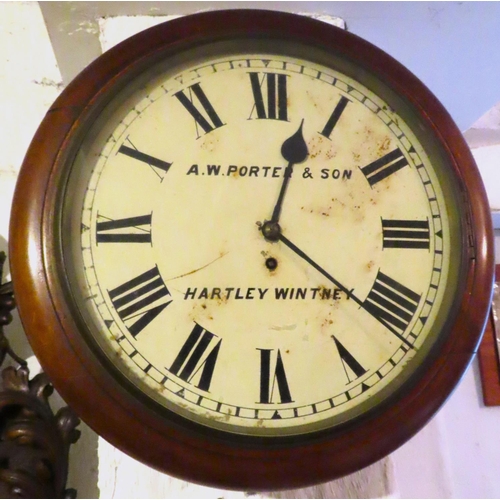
[[339, 285]]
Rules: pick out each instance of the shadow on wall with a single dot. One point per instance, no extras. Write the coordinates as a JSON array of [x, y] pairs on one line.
[[83, 461], [375, 481], [84, 464]]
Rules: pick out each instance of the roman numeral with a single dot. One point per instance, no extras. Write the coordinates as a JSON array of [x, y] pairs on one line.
[[206, 118], [405, 233], [391, 303], [334, 117], [349, 362], [384, 167], [278, 379], [274, 106], [128, 230], [139, 300], [151, 161], [197, 353]]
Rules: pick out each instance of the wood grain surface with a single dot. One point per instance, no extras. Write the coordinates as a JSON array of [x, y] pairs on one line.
[[489, 359]]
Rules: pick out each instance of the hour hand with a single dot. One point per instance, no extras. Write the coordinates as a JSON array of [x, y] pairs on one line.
[[294, 150]]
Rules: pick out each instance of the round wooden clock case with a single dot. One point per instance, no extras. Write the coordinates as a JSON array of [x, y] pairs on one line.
[[251, 250]]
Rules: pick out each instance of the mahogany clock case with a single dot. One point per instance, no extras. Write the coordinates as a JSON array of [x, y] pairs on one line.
[[111, 405]]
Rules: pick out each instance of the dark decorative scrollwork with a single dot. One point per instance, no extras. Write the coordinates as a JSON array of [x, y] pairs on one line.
[[34, 443]]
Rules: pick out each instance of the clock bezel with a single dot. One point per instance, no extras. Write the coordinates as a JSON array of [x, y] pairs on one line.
[[127, 421]]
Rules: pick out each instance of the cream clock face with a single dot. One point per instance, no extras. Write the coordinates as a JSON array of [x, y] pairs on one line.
[[260, 243]]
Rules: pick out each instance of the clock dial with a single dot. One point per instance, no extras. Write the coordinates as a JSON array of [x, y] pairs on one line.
[[260, 243]]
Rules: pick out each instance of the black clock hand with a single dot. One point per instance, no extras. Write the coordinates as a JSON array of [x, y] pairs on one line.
[[294, 150], [339, 285]]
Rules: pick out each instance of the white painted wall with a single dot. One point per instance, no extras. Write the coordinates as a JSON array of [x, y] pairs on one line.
[[449, 46]]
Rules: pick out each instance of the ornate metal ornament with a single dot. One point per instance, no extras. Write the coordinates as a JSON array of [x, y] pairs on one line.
[[34, 442]]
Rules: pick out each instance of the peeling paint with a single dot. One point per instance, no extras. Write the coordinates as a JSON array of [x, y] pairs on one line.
[[47, 82], [90, 27]]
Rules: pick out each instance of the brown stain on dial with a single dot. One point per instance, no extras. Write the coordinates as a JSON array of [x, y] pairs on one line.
[[203, 311], [349, 209], [384, 146], [209, 143], [322, 148], [327, 322]]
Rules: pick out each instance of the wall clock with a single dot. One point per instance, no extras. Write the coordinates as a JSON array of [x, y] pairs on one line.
[[251, 250]]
